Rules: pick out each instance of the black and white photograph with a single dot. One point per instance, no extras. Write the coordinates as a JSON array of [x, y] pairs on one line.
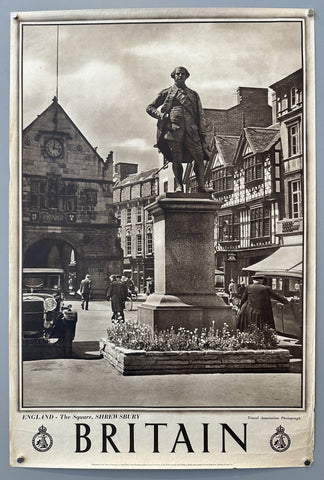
[[162, 238]]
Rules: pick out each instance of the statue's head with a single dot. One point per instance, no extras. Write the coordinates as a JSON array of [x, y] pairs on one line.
[[180, 70]]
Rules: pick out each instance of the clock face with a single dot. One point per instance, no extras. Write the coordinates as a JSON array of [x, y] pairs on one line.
[[54, 147]]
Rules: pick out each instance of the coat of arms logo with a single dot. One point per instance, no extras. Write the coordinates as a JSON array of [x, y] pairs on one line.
[[42, 441], [280, 441]]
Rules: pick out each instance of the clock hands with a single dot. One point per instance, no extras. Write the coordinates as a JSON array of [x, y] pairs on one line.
[[54, 147]]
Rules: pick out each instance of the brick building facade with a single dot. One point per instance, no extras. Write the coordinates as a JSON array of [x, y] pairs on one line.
[[67, 202], [131, 195]]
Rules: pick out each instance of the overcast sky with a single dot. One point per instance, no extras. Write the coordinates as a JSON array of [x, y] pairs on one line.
[[109, 73]]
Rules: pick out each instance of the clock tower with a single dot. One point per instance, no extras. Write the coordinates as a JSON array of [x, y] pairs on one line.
[[67, 203]]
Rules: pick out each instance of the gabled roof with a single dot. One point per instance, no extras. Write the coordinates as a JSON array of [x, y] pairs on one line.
[[227, 146], [137, 177], [261, 139], [55, 106]]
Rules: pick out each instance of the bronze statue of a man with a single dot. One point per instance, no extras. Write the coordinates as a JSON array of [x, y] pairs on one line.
[[181, 134]]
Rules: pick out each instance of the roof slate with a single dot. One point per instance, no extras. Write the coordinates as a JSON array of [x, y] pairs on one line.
[[138, 177], [261, 139], [227, 145]]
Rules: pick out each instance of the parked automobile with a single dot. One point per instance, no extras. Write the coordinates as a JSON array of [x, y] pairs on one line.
[[42, 302], [288, 318]]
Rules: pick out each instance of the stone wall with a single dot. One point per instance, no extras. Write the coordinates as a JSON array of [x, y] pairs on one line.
[[139, 362]]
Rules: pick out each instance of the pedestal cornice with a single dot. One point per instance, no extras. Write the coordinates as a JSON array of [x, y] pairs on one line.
[[184, 203]]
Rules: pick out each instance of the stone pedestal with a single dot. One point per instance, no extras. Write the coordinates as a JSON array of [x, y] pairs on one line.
[[184, 265]]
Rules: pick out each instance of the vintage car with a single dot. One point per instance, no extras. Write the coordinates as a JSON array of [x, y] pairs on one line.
[[42, 302]]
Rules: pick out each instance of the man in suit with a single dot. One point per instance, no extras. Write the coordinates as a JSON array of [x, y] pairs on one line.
[[256, 305], [117, 292], [66, 330], [181, 135], [85, 289]]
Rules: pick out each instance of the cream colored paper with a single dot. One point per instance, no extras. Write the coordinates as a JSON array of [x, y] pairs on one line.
[[209, 436]]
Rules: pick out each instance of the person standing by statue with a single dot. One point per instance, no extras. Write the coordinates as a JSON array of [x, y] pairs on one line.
[[181, 129]]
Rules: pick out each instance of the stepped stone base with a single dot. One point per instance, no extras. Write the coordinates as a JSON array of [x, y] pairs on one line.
[[161, 312]]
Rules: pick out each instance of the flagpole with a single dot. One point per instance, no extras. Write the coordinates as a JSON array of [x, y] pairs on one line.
[[57, 58]]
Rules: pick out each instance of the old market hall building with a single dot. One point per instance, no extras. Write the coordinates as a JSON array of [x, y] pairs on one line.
[[67, 202]]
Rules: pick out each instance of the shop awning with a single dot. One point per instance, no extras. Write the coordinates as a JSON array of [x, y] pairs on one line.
[[284, 260]]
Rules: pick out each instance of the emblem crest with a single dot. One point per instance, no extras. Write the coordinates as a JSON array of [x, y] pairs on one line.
[[42, 441], [280, 441]]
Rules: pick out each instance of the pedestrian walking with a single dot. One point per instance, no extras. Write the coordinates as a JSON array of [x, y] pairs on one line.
[[149, 286], [85, 290], [256, 305], [117, 292], [232, 290]]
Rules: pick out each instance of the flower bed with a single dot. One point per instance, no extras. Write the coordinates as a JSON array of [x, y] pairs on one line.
[[133, 350]]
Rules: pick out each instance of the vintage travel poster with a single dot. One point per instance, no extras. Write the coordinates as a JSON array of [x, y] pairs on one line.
[[162, 239]]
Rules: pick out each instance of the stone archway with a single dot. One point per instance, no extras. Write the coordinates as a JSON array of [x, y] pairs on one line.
[[55, 253]]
